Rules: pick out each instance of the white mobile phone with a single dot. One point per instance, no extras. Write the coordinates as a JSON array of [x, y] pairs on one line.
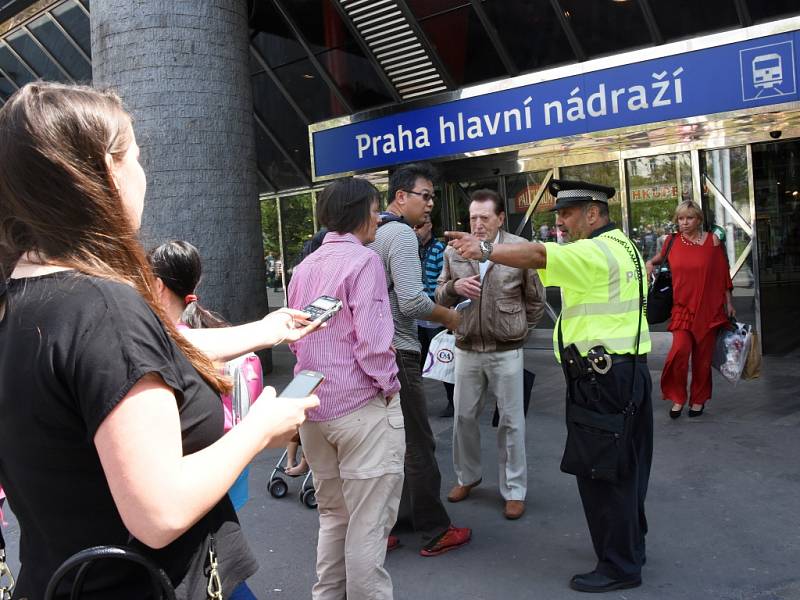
[[304, 384], [463, 304], [323, 308]]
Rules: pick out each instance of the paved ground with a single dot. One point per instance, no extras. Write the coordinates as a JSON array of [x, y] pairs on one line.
[[723, 506]]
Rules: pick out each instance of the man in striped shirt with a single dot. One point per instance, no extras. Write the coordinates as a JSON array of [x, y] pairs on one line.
[[410, 203], [354, 440]]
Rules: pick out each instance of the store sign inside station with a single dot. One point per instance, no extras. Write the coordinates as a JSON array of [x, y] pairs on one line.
[[744, 75]]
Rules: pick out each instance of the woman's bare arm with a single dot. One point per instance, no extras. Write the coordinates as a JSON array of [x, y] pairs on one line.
[[225, 343], [159, 492]]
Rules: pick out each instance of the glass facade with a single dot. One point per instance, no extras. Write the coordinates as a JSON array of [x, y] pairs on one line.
[[54, 45]]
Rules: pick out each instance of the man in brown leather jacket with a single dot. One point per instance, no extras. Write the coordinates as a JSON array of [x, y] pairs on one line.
[[504, 303]]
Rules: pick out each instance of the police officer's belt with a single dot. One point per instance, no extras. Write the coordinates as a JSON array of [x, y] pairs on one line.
[[623, 358]]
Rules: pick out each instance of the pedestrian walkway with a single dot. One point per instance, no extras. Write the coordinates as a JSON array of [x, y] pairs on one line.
[[722, 505]]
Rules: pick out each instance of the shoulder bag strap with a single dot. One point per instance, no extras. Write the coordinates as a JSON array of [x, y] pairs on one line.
[[634, 255], [669, 245]]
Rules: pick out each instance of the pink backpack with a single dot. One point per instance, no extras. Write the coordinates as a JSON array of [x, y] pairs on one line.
[[248, 383]]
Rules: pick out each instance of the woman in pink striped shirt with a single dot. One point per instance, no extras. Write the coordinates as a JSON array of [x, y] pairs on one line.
[[354, 441]]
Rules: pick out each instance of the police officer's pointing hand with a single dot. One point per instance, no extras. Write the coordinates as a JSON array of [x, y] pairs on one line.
[[467, 246]]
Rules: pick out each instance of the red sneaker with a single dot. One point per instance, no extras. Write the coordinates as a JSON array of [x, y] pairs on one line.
[[392, 543], [453, 538]]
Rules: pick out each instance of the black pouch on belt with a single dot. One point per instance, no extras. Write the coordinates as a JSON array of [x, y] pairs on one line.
[[575, 366], [597, 444]]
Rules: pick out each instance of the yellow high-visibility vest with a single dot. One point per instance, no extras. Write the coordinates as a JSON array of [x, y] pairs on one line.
[[600, 290]]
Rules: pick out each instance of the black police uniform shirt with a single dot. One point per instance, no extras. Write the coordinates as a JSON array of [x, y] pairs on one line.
[[71, 348]]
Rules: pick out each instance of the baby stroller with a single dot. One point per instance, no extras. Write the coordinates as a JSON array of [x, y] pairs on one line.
[[278, 488]]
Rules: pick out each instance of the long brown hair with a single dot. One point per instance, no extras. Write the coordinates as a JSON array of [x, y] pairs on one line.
[[58, 199]]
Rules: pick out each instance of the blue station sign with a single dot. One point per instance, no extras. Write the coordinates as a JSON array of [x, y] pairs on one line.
[[743, 75]]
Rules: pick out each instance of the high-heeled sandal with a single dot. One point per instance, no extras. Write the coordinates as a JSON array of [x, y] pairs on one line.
[[674, 414], [697, 413]]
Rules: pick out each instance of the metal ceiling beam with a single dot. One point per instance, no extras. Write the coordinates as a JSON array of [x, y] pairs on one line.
[[273, 188], [69, 37], [367, 51], [281, 88], [650, 19], [743, 13], [46, 52], [491, 31], [22, 61], [423, 39], [11, 81], [577, 49], [83, 7], [290, 159], [334, 88]]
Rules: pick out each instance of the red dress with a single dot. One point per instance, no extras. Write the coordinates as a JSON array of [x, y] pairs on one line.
[[700, 279]]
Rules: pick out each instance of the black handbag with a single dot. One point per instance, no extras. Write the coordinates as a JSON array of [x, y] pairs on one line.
[[82, 561], [659, 296]]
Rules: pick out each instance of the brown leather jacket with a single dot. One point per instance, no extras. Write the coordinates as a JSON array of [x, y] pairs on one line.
[[511, 302]]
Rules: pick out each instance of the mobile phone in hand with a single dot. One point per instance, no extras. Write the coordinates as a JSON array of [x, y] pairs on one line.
[[304, 384], [323, 308]]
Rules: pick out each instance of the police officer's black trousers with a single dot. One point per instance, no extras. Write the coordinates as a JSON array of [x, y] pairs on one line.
[[615, 511]]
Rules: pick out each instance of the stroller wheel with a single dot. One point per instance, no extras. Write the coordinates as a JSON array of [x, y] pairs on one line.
[[277, 487], [309, 498]]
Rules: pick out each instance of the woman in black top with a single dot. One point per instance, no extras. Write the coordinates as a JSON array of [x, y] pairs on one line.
[[111, 429]]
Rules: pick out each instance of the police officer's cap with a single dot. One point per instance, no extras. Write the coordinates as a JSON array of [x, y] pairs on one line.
[[569, 193]]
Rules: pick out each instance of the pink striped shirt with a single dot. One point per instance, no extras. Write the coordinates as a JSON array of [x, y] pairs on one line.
[[354, 350]]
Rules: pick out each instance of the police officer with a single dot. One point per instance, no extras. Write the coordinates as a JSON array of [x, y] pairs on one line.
[[602, 340]]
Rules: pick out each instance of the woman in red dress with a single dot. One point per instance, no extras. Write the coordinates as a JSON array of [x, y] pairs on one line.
[[701, 304]]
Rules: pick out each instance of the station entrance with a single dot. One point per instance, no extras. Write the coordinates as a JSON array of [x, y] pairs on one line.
[[751, 192]]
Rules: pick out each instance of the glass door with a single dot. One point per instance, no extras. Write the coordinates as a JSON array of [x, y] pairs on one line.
[[725, 185], [655, 185], [529, 206], [776, 182]]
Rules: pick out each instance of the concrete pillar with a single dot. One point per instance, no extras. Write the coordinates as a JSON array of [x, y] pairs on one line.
[[182, 69]]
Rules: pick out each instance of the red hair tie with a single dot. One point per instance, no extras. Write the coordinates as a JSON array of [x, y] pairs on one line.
[[189, 299]]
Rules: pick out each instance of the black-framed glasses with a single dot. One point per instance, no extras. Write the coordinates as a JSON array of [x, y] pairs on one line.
[[425, 195]]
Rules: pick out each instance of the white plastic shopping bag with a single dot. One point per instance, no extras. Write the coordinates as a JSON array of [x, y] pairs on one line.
[[730, 353], [440, 362]]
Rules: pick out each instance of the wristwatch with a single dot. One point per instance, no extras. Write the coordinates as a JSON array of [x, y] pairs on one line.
[[486, 250]]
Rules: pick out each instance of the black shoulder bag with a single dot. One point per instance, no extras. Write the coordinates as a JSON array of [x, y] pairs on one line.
[[83, 561], [659, 296], [598, 444]]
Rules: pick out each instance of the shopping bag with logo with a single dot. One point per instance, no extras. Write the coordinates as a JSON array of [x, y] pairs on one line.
[[440, 362], [732, 349]]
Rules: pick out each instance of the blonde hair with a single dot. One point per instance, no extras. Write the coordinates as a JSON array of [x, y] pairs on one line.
[[689, 206]]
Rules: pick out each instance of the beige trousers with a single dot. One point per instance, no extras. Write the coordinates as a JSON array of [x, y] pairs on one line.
[[483, 379], [357, 461]]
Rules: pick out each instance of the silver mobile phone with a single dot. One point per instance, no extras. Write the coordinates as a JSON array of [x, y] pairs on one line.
[[323, 308], [303, 384]]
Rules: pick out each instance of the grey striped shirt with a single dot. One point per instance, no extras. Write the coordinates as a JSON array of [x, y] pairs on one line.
[[397, 245]]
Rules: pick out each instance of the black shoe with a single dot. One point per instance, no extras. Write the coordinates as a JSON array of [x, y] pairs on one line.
[[447, 412], [597, 582], [697, 413], [674, 414]]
